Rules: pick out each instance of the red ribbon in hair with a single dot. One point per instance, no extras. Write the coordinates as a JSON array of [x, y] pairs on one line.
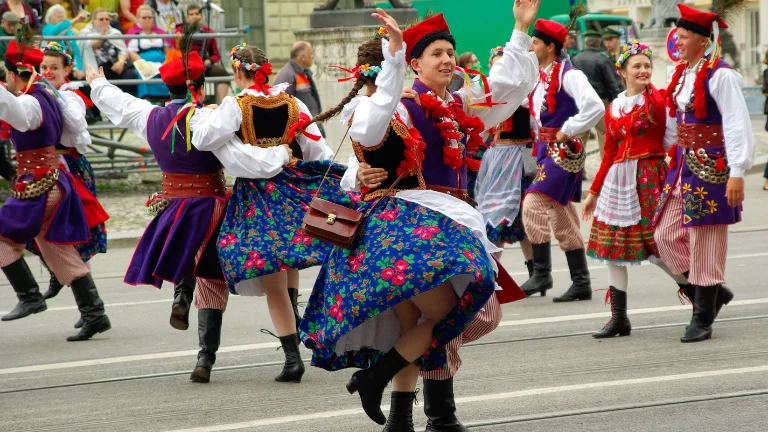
[[299, 128], [354, 72], [261, 76]]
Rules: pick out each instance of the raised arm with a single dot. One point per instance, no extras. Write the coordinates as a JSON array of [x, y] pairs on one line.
[[122, 109]]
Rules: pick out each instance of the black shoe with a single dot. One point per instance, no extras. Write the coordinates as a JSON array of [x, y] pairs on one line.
[[440, 407], [370, 383], [619, 323], [182, 299], [529, 266], [581, 286], [293, 293], [27, 290], [79, 323], [209, 333], [293, 369], [401, 412], [54, 286], [704, 309], [91, 309], [541, 279]]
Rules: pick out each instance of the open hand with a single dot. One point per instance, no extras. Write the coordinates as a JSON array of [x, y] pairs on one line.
[[588, 207], [525, 12], [78, 74], [371, 177], [409, 93], [734, 191], [91, 74], [395, 34]]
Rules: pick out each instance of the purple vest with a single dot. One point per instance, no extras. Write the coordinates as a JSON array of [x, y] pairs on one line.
[[49, 132], [181, 161], [565, 109], [713, 112], [435, 171]]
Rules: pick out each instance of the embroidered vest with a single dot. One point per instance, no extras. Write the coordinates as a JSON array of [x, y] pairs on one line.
[[271, 117]]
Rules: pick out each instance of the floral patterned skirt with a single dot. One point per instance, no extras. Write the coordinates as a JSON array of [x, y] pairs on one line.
[[403, 250], [633, 244], [261, 233], [81, 169], [514, 232]]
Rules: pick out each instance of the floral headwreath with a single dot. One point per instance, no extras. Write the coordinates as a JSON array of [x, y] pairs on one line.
[[263, 70], [631, 49], [381, 33], [58, 48], [499, 50]]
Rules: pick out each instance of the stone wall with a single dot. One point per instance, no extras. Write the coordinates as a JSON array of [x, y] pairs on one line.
[[283, 18]]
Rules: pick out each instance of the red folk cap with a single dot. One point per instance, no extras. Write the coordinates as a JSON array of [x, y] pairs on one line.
[[550, 31], [23, 54], [414, 34], [699, 21], [173, 73]]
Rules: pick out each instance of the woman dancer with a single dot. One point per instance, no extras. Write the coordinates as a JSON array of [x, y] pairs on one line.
[[263, 137], [627, 188]]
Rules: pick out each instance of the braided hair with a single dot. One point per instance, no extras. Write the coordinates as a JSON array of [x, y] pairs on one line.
[[253, 55], [369, 53]]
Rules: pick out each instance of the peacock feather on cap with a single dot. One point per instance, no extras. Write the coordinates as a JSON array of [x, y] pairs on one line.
[[578, 10]]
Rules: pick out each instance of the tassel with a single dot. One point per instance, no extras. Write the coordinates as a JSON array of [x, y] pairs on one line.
[[577, 147], [720, 164], [472, 164], [562, 154], [6, 135]]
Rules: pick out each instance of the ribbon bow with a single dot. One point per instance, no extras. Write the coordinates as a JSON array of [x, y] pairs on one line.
[[355, 72], [299, 128]]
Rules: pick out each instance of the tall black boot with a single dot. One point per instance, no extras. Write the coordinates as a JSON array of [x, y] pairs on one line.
[[440, 407], [401, 412], [541, 280], [581, 286], [529, 266], [370, 383], [724, 295], [704, 309], [54, 286], [619, 323], [209, 333], [182, 299], [91, 309], [293, 293], [293, 369], [22, 281]]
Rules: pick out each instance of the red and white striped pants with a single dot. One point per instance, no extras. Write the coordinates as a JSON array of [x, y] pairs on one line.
[[541, 211], [63, 260], [211, 293], [483, 323], [698, 250]]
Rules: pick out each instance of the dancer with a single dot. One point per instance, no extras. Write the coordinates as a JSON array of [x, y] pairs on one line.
[[48, 205], [704, 190], [563, 105], [338, 324], [188, 211], [56, 68], [263, 137], [627, 188]]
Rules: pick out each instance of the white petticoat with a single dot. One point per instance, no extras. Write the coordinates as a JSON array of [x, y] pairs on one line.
[[499, 184], [618, 203]]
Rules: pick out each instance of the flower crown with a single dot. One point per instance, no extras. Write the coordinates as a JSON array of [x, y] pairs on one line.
[[631, 49], [237, 63], [58, 48], [381, 33], [499, 50]]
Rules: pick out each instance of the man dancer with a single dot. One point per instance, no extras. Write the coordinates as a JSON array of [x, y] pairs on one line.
[[191, 205], [563, 105], [705, 186]]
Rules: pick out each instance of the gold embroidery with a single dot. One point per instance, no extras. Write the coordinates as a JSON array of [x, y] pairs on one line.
[[247, 129]]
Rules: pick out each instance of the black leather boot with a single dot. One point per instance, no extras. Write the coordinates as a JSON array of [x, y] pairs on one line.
[[724, 296], [541, 280], [581, 286], [529, 266], [440, 407], [619, 323], [79, 323], [704, 309], [370, 383], [182, 299], [293, 293], [293, 369], [401, 412], [209, 333], [54, 286], [91, 309], [22, 281]]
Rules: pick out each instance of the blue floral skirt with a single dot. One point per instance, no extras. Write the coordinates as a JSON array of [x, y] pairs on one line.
[[261, 233], [403, 250], [81, 169]]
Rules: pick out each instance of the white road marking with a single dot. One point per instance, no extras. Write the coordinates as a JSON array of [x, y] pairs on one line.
[[486, 398], [108, 305], [267, 345]]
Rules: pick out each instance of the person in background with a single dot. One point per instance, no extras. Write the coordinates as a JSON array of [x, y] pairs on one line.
[[71, 8], [22, 10], [128, 15], [298, 75], [209, 51], [111, 6], [56, 24], [468, 60], [765, 111], [601, 74], [8, 28], [149, 50], [570, 44], [168, 14], [111, 54]]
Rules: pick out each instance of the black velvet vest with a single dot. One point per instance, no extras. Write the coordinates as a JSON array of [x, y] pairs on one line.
[[267, 121]]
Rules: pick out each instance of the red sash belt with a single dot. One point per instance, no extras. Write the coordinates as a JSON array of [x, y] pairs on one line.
[[194, 185]]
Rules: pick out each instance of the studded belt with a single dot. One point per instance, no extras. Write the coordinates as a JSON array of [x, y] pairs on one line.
[[194, 185], [548, 135], [697, 135]]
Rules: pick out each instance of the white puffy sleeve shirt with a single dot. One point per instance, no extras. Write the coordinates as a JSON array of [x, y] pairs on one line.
[[122, 109], [75, 132], [216, 131], [23, 113]]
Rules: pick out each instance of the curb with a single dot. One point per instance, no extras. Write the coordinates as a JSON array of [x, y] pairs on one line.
[[124, 239]]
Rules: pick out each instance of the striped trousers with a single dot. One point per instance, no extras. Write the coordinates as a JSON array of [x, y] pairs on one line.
[[483, 323], [540, 212], [63, 260], [211, 293], [701, 251]]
